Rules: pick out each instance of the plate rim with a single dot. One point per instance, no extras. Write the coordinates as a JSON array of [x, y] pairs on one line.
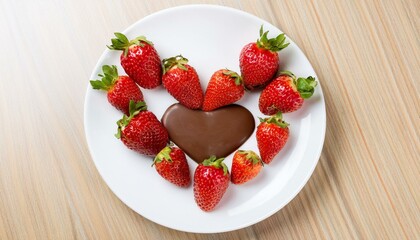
[[268, 213]]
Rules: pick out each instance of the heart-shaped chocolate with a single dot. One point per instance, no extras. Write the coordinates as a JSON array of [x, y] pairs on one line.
[[202, 134]]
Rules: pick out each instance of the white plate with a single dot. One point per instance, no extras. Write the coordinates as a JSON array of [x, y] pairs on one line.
[[211, 37]]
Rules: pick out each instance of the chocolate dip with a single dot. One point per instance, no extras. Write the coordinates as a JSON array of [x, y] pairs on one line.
[[202, 134]]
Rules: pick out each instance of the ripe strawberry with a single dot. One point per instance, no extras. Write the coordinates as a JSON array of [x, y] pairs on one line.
[[172, 165], [211, 180], [286, 94], [181, 81], [225, 87], [139, 59], [272, 134], [245, 166], [120, 89], [141, 131], [259, 60]]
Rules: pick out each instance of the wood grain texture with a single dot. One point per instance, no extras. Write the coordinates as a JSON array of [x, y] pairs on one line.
[[366, 55]]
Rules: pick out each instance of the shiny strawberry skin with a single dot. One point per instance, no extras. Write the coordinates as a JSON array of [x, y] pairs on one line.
[[142, 64], [184, 86], [271, 139], [280, 95], [145, 134], [243, 168], [210, 184], [258, 66], [124, 90], [174, 169], [222, 90]]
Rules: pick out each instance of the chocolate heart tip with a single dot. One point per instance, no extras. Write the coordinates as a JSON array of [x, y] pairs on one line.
[[202, 134]]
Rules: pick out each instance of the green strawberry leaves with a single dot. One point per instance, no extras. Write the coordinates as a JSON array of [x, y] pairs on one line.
[[121, 42], [217, 163], [178, 61], [134, 109], [276, 119], [234, 75], [273, 44], [251, 156], [163, 155], [306, 86], [108, 78]]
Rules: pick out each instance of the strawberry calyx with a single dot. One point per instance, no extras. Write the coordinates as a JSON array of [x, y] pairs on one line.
[[234, 75], [108, 78], [121, 42], [164, 154], [276, 119], [134, 109], [273, 44], [305, 86], [251, 156], [217, 163], [179, 61]]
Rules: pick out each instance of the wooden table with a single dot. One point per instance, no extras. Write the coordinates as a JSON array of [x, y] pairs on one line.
[[366, 185]]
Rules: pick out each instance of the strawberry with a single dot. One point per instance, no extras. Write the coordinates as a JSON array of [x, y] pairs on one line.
[[182, 82], [259, 60], [286, 94], [139, 59], [141, 131], [272, 134], [225, 87], [120, 89], [172, 165], [245, 166], [211, 180]]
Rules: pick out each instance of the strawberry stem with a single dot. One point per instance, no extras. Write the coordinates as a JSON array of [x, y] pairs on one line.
[[178, 61], [251, 156], [164, 154], [216, 162], [275, 119], [273, 44], [121, 42], [306, 86], [108, 78], [134, 109], [234, 75]]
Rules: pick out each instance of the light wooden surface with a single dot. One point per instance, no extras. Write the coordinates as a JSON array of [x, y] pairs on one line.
[[366, 185]]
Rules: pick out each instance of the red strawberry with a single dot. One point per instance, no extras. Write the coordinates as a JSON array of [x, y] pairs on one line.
[[245, 166], [285, 93], [142, 131], [120, 89], [181, 81], [172, 165], [272, 135], [211, 180], [259, 60], [139, 59], [225, 87]]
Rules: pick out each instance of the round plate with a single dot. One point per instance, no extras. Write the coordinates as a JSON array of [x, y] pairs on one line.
[[211, 37]]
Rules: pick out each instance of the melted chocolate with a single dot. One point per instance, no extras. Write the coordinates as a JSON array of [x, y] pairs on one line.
[[202, 134]]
